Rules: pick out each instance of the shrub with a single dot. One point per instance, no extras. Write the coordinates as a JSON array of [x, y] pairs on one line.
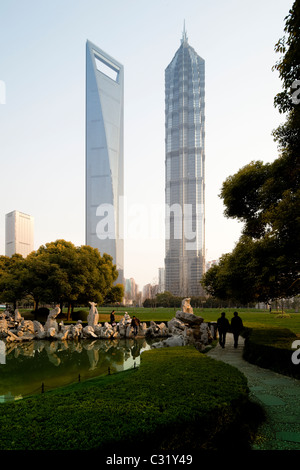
[[178, 400], [41, 314], [271, 348], [80, 315]]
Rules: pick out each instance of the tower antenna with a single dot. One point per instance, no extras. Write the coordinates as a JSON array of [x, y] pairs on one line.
[[184, 35]]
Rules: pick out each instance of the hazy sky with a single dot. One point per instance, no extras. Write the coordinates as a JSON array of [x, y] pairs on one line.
[[42, 123]]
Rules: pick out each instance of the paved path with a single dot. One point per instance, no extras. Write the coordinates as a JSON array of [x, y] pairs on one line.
[[278, 394]]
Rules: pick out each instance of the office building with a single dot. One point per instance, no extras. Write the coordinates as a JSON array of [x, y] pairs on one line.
[[184, 171], [19, 234], [104, 154], [161, 280]]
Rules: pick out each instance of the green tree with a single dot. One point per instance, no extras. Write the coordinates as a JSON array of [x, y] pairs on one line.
[[266, 198], [12, 276], [62, 273], [98, 274], [115, 294]]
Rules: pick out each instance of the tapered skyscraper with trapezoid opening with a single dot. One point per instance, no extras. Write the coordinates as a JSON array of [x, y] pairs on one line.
[[104, 154], [184, 171]]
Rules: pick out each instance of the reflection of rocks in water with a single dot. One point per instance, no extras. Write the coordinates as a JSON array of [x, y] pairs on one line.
[[93, 356], [58, 363], [99, 354]]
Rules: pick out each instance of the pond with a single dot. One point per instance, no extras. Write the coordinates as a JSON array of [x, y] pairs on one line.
[[33, 367]]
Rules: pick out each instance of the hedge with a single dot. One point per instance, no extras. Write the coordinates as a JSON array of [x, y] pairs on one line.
[[271, 348], [178, 400]]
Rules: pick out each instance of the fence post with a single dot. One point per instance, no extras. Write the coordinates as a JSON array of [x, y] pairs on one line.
[[43, 387]]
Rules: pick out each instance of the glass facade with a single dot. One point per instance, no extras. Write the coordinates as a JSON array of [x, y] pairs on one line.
[[184, 171], [104, 154]]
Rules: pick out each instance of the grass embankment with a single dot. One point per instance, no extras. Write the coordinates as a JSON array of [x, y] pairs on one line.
[[177, 400], [271, 348]]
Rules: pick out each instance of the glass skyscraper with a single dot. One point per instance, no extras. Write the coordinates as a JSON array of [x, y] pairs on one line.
[[184, 171], [104, 154]]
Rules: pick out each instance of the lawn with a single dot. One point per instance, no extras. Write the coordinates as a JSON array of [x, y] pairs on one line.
[[178, 400], [252, 318]]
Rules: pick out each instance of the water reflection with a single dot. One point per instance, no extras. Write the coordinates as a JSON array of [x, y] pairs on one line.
[[26, 366]]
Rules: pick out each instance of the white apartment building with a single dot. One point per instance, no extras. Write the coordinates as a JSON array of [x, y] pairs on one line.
[[19, 233]]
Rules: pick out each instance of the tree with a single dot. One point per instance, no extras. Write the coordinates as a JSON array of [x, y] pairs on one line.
[[12, 276], [98, 274], [115, 294], [266, 198], [62, 273]]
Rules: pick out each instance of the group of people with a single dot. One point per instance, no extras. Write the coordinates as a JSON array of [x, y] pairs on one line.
[[235, 326], [135, 322]]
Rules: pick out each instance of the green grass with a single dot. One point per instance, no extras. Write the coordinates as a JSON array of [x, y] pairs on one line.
[[271, 348], [252, 318], [178, 399]]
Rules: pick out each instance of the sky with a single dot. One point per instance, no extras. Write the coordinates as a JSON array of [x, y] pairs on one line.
[[42, 109]]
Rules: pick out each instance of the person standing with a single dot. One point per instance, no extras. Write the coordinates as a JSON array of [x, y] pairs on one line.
[[236, 328], [135, 322], [223, 327], [112, 317]]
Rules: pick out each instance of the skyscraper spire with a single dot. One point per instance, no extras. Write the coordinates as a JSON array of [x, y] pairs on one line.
[[184, 35], [185, 172]]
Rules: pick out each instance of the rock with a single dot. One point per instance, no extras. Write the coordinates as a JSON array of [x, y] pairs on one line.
[[189, 318], [175, 326], [186, 306], [88, 332], [39, 330], [93, 316], [51, 322], [26, 325], [173, 341], [12, 337], [17, 316], [51, 332], [3, 327]]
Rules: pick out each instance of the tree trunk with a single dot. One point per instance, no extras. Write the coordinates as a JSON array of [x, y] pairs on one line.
[[69, 311], [36, 306]]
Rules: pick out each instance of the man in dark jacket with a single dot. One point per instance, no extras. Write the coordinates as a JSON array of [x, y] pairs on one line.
[[236, 328], [135, 322], [223, 327]]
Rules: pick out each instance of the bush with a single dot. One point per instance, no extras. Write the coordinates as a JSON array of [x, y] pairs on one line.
[[178, 400], [80, 315], [41, 314], [271, 348]]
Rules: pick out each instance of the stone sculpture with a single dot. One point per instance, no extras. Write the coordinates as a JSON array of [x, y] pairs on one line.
[[51, 323], [93, 316], [184, 328], [186, 306]]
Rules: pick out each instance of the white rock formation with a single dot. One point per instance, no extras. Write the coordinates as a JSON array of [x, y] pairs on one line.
[[93, 316]]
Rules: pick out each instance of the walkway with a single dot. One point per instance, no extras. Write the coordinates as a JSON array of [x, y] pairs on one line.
[[278, 394]]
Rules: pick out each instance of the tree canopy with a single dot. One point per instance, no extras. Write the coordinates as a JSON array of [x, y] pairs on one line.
[[59, 272]]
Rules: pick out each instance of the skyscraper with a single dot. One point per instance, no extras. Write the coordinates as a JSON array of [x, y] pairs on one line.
[[19, 234], [104, 154], [184, 171]]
